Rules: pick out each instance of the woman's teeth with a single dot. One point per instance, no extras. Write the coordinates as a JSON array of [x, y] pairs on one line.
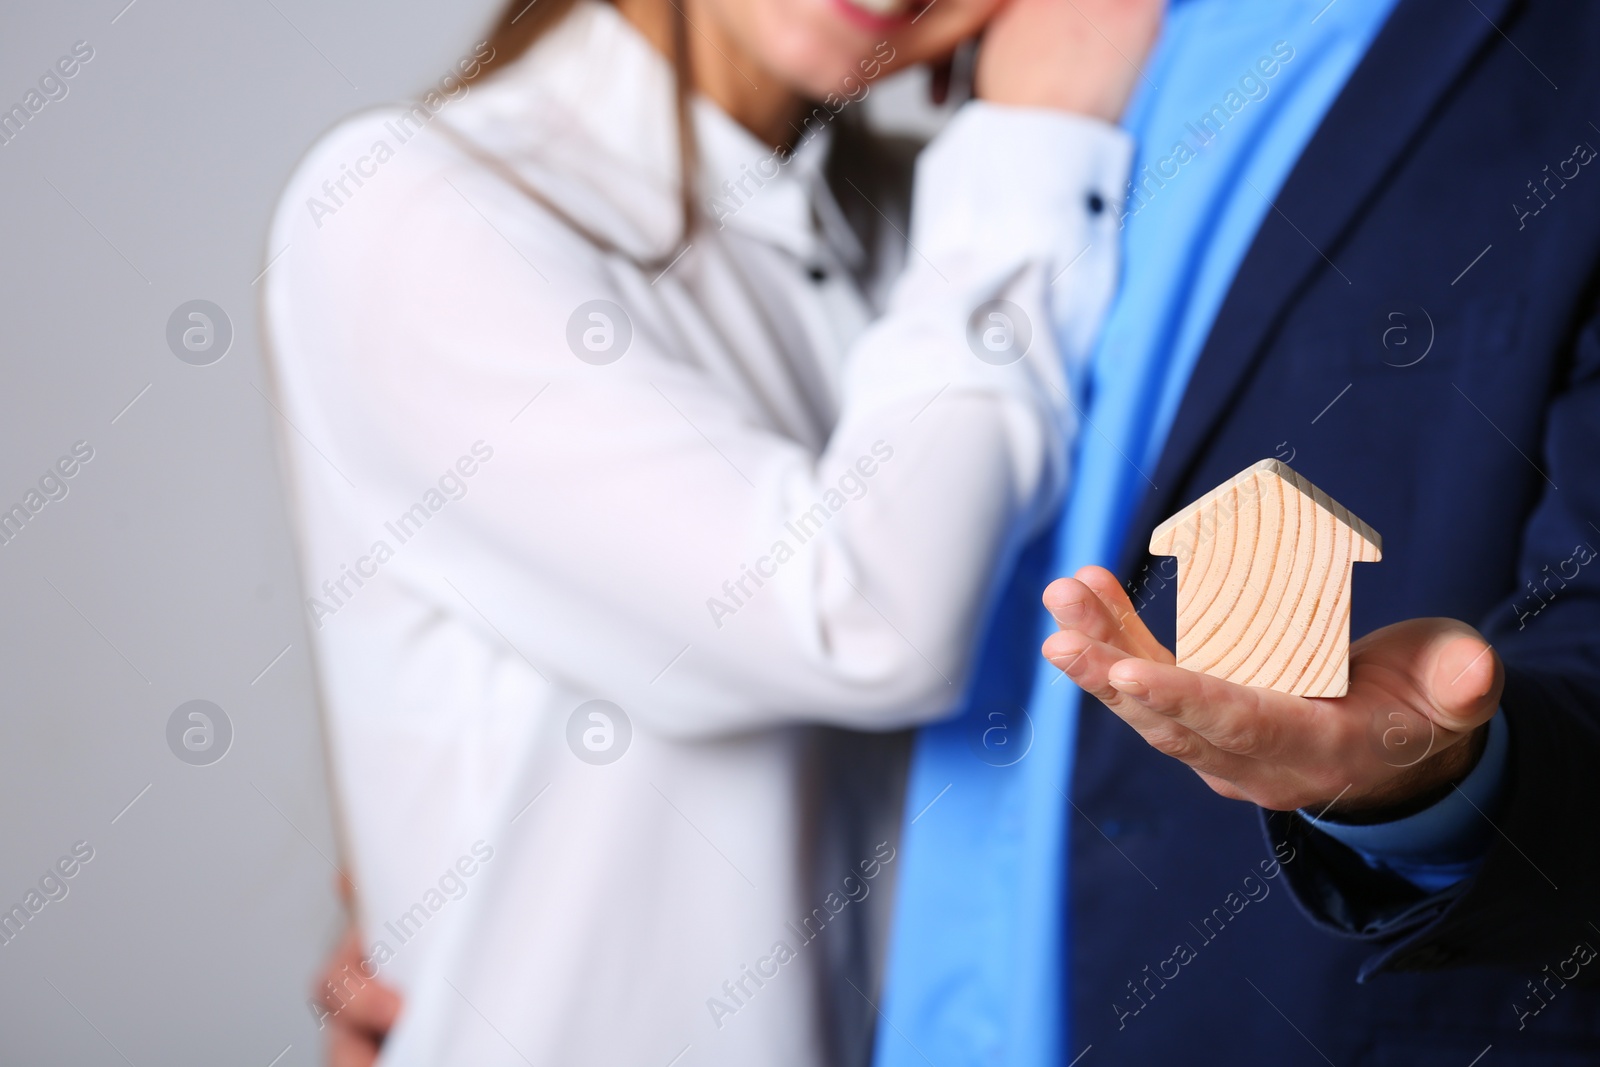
[[882, 8]]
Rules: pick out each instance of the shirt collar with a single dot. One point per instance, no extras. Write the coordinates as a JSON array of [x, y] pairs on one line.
[[587, 115], [749, 187]]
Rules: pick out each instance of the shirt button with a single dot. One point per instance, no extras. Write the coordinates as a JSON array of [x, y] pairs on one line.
[[1095, 203]]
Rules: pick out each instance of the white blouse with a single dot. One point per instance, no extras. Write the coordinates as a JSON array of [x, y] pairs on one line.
[[531, 471]]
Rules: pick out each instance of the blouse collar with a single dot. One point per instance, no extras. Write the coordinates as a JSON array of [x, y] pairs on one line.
[[587, 116]]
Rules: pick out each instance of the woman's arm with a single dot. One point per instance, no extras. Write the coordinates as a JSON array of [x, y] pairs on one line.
[[637, 514]]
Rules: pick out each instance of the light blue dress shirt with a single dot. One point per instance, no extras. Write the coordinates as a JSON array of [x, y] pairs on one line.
[[1227, 103], [1442, 844]]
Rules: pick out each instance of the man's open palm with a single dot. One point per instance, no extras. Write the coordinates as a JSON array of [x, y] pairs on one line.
[[1419, 691]]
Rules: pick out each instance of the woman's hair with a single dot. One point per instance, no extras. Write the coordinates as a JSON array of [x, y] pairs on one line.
[[523, 22]]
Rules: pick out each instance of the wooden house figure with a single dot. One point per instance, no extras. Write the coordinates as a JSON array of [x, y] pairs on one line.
[[1264, 565]]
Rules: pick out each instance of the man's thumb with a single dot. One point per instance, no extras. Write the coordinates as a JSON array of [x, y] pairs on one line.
[[1465, 681]]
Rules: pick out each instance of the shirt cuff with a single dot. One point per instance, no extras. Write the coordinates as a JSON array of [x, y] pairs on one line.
[[1005, 201], [1008, 179], [1444, 843]]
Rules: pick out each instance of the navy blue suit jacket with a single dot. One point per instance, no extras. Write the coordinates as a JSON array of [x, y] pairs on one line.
[[1480, 465]]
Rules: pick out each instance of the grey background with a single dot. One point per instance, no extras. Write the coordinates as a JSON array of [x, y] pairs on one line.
[[192, 935], [166, 574]]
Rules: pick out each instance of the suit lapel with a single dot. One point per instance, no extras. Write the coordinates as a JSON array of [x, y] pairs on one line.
[[1415, 58]]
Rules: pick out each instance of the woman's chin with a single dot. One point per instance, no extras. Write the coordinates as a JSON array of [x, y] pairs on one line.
[[819, 46]]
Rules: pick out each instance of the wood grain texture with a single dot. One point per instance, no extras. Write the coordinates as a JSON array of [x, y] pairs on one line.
[[1264, 566]]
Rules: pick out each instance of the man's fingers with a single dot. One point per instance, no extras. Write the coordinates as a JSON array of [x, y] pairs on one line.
[[1234, 718], [1075, 606], [1446, 665], [1115, 598], [1265, 747], [1274, 749], [1103, 612], [1090, 664], [1465, 681], [1086, 661]]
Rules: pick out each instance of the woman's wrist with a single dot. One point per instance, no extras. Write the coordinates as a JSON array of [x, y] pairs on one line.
[[1081, 57]]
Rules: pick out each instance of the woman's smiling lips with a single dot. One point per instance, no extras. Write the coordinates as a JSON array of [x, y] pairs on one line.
[[894, 17]]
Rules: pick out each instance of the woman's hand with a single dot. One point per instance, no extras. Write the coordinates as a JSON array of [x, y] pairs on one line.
[[1082, 56], [1071, 55], [1421, 693], [358, 1011]]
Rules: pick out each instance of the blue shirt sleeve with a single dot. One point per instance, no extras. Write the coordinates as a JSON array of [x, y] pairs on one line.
[[1442, 844]]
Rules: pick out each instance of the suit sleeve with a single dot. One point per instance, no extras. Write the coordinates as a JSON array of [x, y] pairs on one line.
[[1538, 884]]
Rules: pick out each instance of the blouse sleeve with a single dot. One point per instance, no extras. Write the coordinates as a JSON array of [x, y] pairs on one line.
[[629, 528]]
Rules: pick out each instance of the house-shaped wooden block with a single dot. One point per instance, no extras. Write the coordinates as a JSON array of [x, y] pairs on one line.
[[1264, 581]]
